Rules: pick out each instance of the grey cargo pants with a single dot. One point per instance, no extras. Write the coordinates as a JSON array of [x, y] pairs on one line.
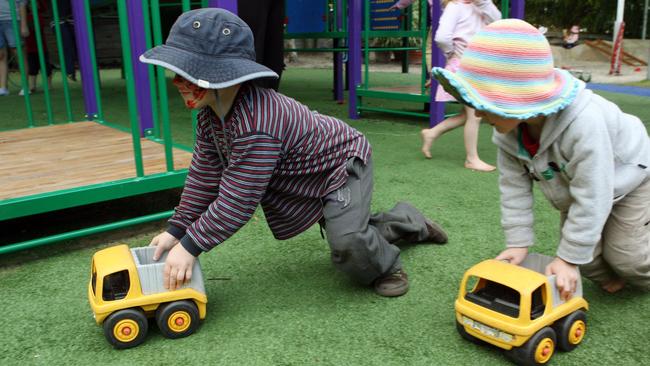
[[360, 243], [624, 249]]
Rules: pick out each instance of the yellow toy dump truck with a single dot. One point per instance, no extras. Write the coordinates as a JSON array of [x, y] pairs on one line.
[[126, 287], [518, 309]]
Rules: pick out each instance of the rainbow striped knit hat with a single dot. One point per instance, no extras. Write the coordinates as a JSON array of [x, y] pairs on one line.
[[507, 69]]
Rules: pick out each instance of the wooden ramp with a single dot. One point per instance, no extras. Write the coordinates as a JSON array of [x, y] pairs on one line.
[[605, 48], [58, 157]]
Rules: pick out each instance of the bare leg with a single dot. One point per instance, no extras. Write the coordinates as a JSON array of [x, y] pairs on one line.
[[472, 160], [429, 135], [32, 82], [3, 67]]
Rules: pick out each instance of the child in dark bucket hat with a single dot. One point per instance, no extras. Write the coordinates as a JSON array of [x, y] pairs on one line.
[[255, 146], [590, 160]]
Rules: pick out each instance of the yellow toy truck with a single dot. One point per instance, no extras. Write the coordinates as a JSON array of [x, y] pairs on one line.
[[126, 287], [518, 309]]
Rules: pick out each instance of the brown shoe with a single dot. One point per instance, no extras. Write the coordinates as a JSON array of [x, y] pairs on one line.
[[436, 233], [392, 285]]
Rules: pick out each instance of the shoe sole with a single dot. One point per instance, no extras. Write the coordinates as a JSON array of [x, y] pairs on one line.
[[394, 292], [438, 229]]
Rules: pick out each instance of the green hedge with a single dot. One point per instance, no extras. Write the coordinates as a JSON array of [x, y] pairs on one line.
[[597, 16]]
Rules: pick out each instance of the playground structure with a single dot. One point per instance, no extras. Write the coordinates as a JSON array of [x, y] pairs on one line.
[[86, 160], [75, 171], [360, 88], [325, 19]]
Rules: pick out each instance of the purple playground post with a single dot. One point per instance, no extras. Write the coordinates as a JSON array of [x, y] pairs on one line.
[[354, 55], [338, 56], [517, 9], [437, 109], [140, 70], [85, 62], [230, 5]]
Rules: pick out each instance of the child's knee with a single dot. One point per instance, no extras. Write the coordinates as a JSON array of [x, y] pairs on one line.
[[635, 269]]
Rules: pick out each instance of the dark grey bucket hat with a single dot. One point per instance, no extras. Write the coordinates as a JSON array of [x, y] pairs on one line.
[[211, 47]]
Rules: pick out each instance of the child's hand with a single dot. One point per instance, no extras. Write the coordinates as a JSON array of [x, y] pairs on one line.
[[178, 267], [163, 242], [566, 277], [513, 255]]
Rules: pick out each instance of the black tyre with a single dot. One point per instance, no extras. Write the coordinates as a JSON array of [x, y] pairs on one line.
[[571, 330], [463, 333], [538, 350], [177, 319], [126, 328]]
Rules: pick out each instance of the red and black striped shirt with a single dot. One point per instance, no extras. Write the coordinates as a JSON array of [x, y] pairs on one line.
[[273, 151]]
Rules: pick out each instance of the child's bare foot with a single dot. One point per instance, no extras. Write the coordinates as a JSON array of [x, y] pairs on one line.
[[614, 285], [428, 137], [479, 165]]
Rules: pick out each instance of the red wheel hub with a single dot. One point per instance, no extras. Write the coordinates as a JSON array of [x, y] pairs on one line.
[[126, 331], [179, 321]]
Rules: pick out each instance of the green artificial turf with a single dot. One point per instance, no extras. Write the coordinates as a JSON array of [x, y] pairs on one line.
[[282, 303]]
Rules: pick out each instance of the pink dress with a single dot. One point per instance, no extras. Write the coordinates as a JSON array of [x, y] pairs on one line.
[[459, 21]]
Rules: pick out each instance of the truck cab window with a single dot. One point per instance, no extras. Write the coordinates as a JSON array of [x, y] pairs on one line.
[[116, 286], [497, 297]]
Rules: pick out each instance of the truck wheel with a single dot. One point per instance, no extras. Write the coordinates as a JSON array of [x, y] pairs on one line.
[[177, 319], [126, 328], [571, 330], [537, 350], [463, 333]]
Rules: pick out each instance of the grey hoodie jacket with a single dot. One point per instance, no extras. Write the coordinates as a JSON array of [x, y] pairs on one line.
[[591, 155]]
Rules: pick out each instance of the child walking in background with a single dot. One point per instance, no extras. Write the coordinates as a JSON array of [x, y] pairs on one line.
[[590, 160], [459, 21], [31, 47], [255, 147], [8, 38]]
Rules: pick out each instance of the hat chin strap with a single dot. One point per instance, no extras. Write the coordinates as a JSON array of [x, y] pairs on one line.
[[206, 84]]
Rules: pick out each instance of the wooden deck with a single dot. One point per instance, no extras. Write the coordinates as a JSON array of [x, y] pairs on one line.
[[52, 158]]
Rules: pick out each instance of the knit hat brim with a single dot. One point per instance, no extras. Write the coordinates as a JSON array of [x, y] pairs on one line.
[[567, 90]]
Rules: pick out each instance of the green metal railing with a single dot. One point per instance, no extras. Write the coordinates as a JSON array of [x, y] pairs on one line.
[[365, 89], [141, 183]]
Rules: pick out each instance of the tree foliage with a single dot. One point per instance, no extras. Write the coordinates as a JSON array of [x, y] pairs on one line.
[[597, 16]]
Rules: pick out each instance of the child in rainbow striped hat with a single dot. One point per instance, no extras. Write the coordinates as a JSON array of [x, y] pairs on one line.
[[589, 158]]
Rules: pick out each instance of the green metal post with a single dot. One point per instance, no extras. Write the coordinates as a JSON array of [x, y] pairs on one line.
[[162, 87], [41, 61], [91, 47], [130, 85], [366, 44], [505, 9], [423, 46], [21, 62], [186, 6], [59, 46], [150, 69]]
